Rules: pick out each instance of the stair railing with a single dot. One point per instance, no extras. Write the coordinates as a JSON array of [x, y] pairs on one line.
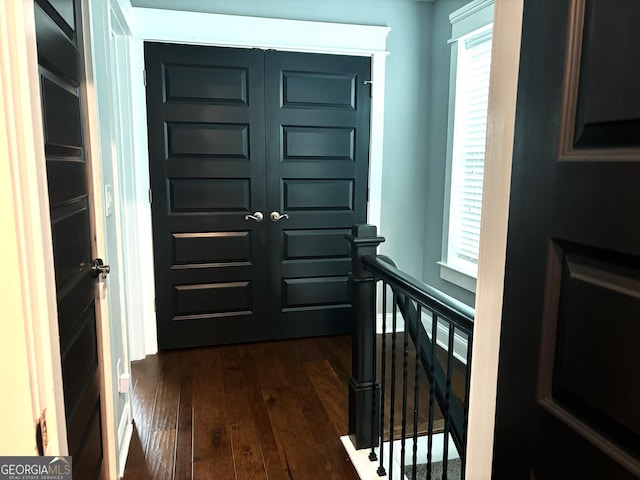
[[425, 334]]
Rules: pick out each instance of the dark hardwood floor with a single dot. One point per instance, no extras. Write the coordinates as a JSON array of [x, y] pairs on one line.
[[270, 410], [257, 411]]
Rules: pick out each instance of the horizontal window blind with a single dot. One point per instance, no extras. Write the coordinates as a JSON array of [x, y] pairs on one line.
[[470, 126]]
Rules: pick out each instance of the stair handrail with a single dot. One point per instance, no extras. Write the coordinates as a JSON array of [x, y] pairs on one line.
[[439, 302], [367, 269]]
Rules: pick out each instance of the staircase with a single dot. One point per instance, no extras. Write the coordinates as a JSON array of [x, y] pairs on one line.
[[409, 388]]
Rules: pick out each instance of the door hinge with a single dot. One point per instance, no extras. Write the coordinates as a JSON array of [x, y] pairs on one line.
[[42, 438], [150, 196], [370, 83], [144, 77]]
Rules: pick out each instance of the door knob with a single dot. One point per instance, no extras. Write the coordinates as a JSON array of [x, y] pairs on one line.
[[257, 216], [99, 269], [275, 216]]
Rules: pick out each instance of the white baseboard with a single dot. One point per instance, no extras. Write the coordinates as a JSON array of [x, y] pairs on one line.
[[460, 342], [125, 431], [368, 470]]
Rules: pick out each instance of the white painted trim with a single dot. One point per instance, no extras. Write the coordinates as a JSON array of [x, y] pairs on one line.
[[125, 432], [460, 342], [493, 238], [121, 9], [133, 268], [123, 172], [242, 32], [142, 330], [470, 17], [378, 69], [453, 275], [117, 123], [365, 468], [389, 323], [103, 316], [28, 238], [468, 10], [255, 32]]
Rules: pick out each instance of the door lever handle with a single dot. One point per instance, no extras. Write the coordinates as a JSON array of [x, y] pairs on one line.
[[275, 216], [257, 216], [99, 269]]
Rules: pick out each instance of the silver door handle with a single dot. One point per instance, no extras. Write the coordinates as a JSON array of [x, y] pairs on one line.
[[275, 216], [257, 216], [99, 269]]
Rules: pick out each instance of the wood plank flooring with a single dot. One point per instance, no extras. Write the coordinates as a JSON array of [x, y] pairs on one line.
[[258, 411]]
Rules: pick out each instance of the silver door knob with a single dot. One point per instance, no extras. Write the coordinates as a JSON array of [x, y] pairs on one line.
[[257, 216], [275, 216], [99, 269]]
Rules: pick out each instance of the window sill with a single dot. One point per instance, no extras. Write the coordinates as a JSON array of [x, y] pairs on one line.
[[457, 277]]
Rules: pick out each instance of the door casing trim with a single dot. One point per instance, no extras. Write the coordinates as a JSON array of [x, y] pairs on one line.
[[29, 297], [31, 303]]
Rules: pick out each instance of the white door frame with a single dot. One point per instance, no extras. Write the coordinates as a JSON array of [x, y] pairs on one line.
[[505, 61], [146, 24], [31, 333], [28, 278]]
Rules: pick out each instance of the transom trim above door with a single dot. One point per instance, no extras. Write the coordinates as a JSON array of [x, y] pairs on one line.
[[153, 24]]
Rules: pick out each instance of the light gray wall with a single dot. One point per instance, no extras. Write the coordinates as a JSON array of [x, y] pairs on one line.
[[437, 149], [406, 99]]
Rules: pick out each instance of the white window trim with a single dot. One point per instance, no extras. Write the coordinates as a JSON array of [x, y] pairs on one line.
[[471, 17], [454, 275]]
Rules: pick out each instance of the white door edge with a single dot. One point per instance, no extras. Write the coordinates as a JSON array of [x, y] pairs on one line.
[[31, 300]]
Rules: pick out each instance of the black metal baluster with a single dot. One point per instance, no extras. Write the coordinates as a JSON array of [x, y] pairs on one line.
[[467, 389], [374, 375], [405, 368], [416, 390], [383, 366], [370, 374], [432, 380], [392, 402], [447, 402]]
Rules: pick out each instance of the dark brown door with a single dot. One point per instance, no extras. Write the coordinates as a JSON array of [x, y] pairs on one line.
[[61, 68], [235, 135], [568, 385]]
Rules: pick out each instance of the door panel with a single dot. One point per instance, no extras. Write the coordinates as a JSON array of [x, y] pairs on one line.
[[206, 154], [317, 170], [61, 67], [567, 404], [235, 131]]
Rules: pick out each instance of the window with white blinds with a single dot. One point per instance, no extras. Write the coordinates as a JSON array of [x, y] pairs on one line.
[[467, 135]]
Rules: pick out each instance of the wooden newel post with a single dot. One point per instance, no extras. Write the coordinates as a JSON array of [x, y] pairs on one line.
[[364, 391]]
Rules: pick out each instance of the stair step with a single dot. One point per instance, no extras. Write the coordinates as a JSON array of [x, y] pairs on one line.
[[453, 471]]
